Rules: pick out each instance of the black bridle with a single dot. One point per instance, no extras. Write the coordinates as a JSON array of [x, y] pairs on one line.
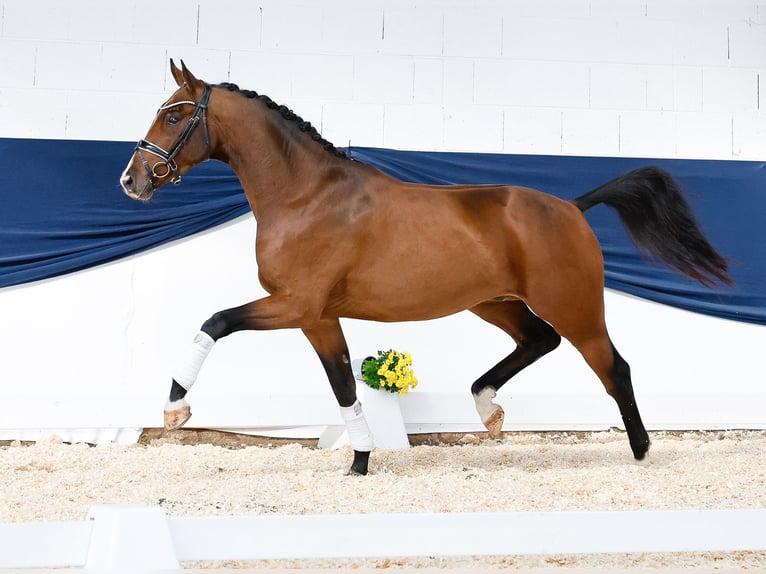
[[167, 165]]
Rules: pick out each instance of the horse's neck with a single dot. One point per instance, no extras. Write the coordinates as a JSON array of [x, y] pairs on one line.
[[277, 167]]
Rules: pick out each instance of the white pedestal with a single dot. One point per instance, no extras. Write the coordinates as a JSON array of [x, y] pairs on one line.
[[383, 414], [384, 417]]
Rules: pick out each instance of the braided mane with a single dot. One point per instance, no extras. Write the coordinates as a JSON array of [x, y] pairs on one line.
[[289, 115]]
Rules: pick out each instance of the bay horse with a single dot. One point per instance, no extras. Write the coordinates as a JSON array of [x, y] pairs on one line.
[[330, 229]]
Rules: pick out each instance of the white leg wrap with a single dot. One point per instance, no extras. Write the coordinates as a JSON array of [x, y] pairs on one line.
[[187, 372], [358, 432], [484, 405]]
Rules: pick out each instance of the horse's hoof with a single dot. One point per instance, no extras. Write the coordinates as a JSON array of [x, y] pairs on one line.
[[360, 464], [640, 449], [494, 422], [177, 418]]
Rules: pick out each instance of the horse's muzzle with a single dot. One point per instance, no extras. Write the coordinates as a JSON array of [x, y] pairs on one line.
[[134, 189]]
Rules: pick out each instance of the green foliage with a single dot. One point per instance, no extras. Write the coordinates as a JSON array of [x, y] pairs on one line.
[[390, 371]]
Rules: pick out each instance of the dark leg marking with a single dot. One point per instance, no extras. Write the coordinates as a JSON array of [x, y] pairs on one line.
[[622, 392], [534, 338], [177, 392]]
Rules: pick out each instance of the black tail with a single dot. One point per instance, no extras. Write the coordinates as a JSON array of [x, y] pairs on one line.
[[660, 221]]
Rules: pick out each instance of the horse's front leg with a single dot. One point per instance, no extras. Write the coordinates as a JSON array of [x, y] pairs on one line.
[[330, 344], [273, 312]]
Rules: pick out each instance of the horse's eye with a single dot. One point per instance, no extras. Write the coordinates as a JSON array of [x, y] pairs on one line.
[[173, 119]]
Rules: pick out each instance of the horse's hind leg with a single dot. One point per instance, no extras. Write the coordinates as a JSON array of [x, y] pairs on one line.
[[534, 338], [614, 372], [330, 344], [583, 325]]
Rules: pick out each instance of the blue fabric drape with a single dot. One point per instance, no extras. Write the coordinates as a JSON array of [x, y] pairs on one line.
[[63, 210]]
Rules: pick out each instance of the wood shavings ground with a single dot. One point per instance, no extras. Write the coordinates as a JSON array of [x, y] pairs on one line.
[[49, 481]]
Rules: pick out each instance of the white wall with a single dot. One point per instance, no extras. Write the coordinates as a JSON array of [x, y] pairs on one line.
[[670, 78]]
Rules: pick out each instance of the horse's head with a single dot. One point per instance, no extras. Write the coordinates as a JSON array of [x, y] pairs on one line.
[[177, 140]]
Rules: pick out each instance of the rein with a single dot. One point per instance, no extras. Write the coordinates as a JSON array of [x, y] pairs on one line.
[[167, 164]]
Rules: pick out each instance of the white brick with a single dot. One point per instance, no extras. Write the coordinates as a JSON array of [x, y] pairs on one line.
[[701, 10], [648, 134], [561, 8], [688, 89], [49, 21], [729, 89], [590, 132], [532, 84], [265, 73], [473, 128], [91, 116], [229, 24], [747, 43], [472, 33], [98, 21], [359, 124], [731, 10], [660, 88], [458, 81], [323, 77], [31, 113], [640, 41], [618, 86], [678, 10], [352, 27], [750, 136], [415, 31], [704, 135], [170, 22], [622, 9], [64, 66], [413, 127], [701, 43], [428, 86], [291, 29], [133, 68], [385, 79], [551, 39], [17, 62], [532, 130]]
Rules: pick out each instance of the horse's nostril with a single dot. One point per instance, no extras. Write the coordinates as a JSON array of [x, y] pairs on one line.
[[127, 182]]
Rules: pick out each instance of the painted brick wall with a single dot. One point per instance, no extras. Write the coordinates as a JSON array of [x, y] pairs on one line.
[[660, 78], [670, 78]]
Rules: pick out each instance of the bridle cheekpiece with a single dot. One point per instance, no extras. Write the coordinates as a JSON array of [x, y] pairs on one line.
[[167, 163]]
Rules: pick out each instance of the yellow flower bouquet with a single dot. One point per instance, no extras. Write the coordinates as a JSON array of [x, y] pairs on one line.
[[390, 371]]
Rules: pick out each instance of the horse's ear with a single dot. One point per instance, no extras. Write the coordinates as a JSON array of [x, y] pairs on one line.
[[177, 74], [184, 77]]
